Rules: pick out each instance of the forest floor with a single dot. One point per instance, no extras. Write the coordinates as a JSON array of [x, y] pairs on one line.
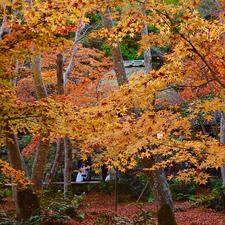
[[97, 207], [98, 204]]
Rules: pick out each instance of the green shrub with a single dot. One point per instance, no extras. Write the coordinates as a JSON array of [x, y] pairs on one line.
[[107, 187], [133, 184], [57, 211], [217, 186], [214, 200], [181, 190], [209, 201]]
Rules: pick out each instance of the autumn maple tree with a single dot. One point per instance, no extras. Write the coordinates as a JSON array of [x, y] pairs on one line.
[[161, 130], [31, 30], [188, 34], [71, 100]]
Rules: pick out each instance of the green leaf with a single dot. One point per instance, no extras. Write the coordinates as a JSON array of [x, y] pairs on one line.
[[82, 215]]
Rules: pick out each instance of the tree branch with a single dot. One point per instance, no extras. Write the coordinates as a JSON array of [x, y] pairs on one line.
[[75, 48]]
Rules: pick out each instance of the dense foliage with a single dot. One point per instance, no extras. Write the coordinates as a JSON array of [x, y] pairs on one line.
[[57, 92]]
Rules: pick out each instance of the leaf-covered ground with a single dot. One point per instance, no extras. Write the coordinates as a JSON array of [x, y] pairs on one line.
[[99, 203]]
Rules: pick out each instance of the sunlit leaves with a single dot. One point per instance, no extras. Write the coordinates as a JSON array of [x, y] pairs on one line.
[[18, 177], [138, 120]]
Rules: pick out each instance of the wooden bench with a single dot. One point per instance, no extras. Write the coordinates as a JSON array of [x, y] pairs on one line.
[[83, 182], [73, 183]]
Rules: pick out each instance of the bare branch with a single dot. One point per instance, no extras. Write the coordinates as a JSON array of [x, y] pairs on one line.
[[75, 48]]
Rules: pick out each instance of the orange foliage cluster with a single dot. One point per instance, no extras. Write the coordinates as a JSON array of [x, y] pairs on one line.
[[198, 78], [85, 84], [129, 123], [29, 149], [18, 177]]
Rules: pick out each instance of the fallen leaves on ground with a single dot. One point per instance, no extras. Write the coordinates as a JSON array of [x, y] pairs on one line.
[[97, 203]]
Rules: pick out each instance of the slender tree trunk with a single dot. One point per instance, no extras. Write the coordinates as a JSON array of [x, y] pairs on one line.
[[115, 50], [142, 192], [41, 155], [67, 168], [67, 142], [116, 193], [147, 52], [26, 201], [73, 56], [222, 141], [60, 78], [61, 81], [24, 166], [59, 150], [156, 179]]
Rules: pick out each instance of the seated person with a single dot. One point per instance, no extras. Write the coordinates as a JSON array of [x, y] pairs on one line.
[[82, 174]]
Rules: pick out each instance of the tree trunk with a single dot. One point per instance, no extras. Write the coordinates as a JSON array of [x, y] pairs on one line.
[[156, 179], [59, 71], [61, 81], [147, 52], [40, 161], [41, 155], [72, 59], [67, 142], [59, 150], [115, 50], [162, 195], [27, 203], [222, 142], [67, 168], [60, 91], [116, 193], [24, 167], [37, 78]]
